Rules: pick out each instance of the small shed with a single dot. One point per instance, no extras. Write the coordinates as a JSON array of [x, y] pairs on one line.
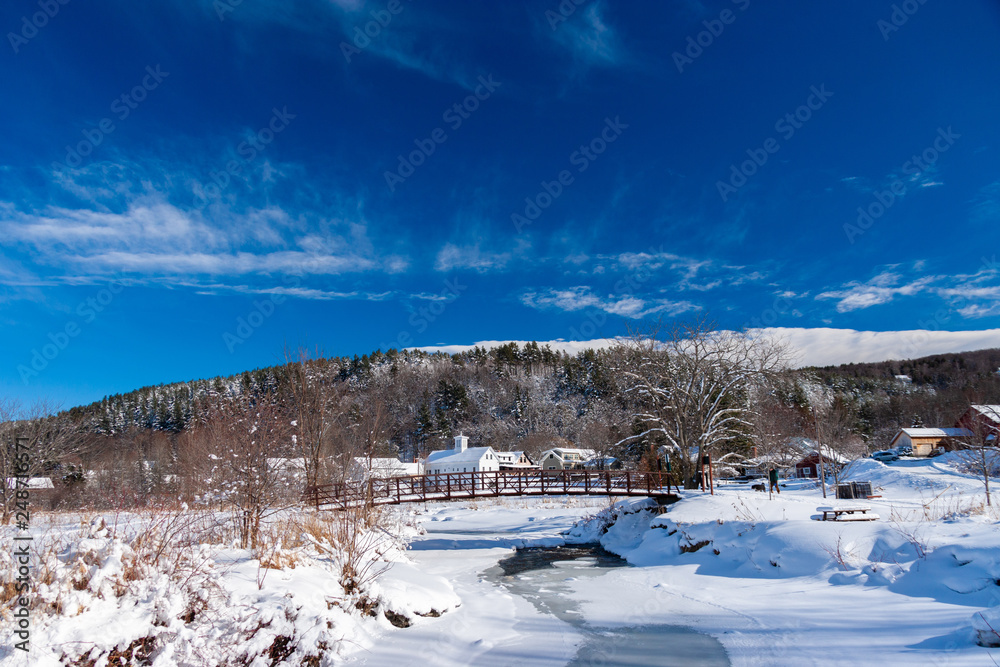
[[40, 489], [809, 465]]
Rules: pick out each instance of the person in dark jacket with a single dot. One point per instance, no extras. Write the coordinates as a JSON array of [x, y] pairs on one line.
[[772, 477]]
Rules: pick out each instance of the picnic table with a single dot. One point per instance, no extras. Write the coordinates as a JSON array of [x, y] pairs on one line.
[[847, 513]]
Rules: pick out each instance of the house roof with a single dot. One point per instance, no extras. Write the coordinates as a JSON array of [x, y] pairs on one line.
[[36, 483], [383, 466], [470, 455], [991, 412], [828, 454], [511, 456], [922, 432], [562, 451]]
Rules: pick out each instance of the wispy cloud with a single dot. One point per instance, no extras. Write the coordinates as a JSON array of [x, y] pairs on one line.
[[149, 238], [986, 205], [589, 38], [412, 39], [288, 291], [972, 295], [581, 297], [881, 289], [470, 257]]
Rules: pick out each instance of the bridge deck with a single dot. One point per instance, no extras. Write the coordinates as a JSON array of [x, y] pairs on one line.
[[463, 485]]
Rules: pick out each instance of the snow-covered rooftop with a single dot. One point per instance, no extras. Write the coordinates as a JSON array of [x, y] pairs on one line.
[[991, 412], [386, 467], [470, 455], [561, 452], [34, 483], [922, 432]]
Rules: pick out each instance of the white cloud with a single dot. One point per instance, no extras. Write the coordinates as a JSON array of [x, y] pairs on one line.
[[818, 347], [470, 257], [881, 289], [825, 347], [146, 235], [290, 291], [578, 298]]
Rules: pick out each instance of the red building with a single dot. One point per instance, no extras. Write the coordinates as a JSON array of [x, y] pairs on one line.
[[981, 419]]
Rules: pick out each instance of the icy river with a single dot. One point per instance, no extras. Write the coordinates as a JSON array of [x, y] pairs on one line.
[[528, 599], [546, 576]]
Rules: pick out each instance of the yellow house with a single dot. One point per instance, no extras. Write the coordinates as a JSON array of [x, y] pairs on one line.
[[924, 440]]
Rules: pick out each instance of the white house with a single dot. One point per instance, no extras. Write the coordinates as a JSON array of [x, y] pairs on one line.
[[362, 469], [561, 458], [514, 461], [462, 458]]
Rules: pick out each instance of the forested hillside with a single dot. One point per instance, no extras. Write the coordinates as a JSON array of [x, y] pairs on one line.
[[529, 398]]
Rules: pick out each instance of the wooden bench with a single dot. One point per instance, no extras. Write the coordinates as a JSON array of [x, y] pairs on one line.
[[847, 513]]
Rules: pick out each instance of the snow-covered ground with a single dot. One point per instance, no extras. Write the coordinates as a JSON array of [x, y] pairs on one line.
[[771, 584], [752, 572]]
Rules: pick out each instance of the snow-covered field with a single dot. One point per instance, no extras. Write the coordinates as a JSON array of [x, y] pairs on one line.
[[754, 572]]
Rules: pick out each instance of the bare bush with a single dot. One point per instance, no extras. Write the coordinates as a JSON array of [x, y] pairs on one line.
[[247, 438]]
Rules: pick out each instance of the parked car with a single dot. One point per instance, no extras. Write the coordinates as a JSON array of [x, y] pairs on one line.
[[886, 456], [749, 477], [904, 450]]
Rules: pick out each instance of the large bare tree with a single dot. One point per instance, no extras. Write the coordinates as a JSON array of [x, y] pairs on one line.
[[690, 386], [319, 408], [50, 440]]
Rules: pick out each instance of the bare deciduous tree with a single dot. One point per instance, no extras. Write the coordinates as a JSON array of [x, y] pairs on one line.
[[318, 408], [691, 386], [50, 439], [980, 455]]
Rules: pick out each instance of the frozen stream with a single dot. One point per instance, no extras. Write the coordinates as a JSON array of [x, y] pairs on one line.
[[545, 576], [532, 607]]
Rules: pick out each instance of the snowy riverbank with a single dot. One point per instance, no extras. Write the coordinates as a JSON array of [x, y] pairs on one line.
[[757, 573], [754, 572]]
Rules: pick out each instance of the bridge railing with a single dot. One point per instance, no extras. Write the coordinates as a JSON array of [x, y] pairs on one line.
[[445, 486]]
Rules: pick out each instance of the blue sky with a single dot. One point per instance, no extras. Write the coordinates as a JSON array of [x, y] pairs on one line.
[[185, 187]]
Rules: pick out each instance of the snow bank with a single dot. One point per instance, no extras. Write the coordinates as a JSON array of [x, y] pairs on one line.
[[986, 623], [408, 592], [144, 593], [743, 566]]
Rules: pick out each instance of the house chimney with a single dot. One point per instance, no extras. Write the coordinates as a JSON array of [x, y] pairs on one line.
[[461, 443]]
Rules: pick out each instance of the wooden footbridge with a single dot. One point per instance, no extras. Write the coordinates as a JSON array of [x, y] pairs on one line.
[[490, 484]]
